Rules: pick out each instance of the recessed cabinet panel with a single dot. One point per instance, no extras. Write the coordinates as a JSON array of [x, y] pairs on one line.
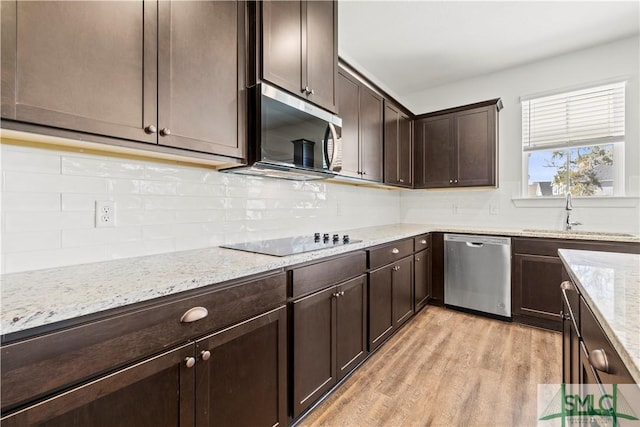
[[380, 306], [422, 277], [475, 142], [397, 147], [242, 379], [351, 321], [322, 58], [348, 110], [436, 150], [165, 381], [371, 139], [198, 75], [83, 66], [402, 278], [282, 44]]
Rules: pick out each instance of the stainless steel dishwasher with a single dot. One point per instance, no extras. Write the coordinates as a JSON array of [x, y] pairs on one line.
[[478, 273]]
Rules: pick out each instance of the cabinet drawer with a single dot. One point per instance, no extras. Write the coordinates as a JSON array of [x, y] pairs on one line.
[[421, 242], [549, 247], [37, 366], [323, 274], [389, 253], [595, 340]]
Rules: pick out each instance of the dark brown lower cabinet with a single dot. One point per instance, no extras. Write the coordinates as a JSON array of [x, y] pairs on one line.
[[211, 382], [422, 278], [536, 274], [243, 381], [329, 330], [158, 391], [390, 299]]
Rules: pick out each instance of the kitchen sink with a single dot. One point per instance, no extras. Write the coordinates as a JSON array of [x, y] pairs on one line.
[[578, 232]]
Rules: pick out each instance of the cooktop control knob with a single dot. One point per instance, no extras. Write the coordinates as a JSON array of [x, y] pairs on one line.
[[345, 238], [325, 237], [316, 237], [336, 238]]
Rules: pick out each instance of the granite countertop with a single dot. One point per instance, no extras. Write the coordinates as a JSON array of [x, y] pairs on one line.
[[35, 298], [610, 285]]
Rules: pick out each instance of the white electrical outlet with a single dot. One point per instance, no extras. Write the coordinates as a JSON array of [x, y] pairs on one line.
[[105, 213]]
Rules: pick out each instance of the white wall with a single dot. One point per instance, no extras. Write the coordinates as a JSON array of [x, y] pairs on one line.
[[48, 197], [619, 59]]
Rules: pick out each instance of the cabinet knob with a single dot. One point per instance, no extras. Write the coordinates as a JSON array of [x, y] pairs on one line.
[[401, 180], [417, 259], [312, 92], [205, 354], [341, 293], [598, 359], [194, 314], [395, 251], [396, 267], [455, 181], [150, 129], [565, 316], [450, 181], [190, 361], [423, 241], [364, 173], [165, 132]]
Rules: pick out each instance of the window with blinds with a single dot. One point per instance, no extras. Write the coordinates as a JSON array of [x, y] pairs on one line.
[[572, 141]]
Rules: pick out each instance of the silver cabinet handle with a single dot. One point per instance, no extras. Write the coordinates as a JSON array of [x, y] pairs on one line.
[[567, 286], [150, 129], [205, 354], [194, 314], [417, 259], [455, 181], [450, 181], [423, 241], [338, 294], [190, 361], [165, 132], [395, 251], [598, 359], [401, 180], [341, 293], [396, 267]]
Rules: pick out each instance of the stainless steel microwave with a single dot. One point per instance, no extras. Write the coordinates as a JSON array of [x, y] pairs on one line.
[[290, 138]]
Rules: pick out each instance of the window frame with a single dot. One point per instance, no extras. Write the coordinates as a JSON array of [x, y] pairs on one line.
[[619, 189]]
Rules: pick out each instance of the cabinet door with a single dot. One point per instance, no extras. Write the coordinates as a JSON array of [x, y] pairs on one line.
[[536, 290], [243, 382], [351, 321], [348, 91], [391, 145], [321, 51], [200, 55], [422, 278], [475, 144], [435, 144], [155, 392], [405, 151], [282, 44], [314, 349], [371, 135], [84, 66], [402, 278], [380, 306]]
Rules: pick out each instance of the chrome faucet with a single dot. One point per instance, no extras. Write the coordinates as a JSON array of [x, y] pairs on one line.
[[569, 207]]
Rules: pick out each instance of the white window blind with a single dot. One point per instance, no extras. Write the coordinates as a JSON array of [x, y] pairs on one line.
[[582, 117]]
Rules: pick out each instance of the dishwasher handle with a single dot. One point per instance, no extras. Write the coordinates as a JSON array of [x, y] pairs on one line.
[[474, 244]]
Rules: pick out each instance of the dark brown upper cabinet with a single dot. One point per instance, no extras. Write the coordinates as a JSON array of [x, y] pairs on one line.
[[300, 48], [397, 147], [457, 147], [165, 73], [361, 110]]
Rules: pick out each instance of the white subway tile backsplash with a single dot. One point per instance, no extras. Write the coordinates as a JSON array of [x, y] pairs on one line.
[[99, 236], [48, 202], [30, 241], [99, 167], [41, 162], [25, 202]]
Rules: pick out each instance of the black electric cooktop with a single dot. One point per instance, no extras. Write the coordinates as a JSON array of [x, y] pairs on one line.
[[294, 245]]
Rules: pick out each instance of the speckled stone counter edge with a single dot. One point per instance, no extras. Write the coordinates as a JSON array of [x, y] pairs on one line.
[[632, 364]]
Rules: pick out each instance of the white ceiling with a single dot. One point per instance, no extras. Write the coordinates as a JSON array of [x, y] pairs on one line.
[[409, 46]]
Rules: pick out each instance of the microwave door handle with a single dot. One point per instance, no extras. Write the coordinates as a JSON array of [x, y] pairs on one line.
[[337, 142]]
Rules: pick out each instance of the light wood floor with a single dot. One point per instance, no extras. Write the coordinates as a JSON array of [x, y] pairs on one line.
[[448, 368]]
